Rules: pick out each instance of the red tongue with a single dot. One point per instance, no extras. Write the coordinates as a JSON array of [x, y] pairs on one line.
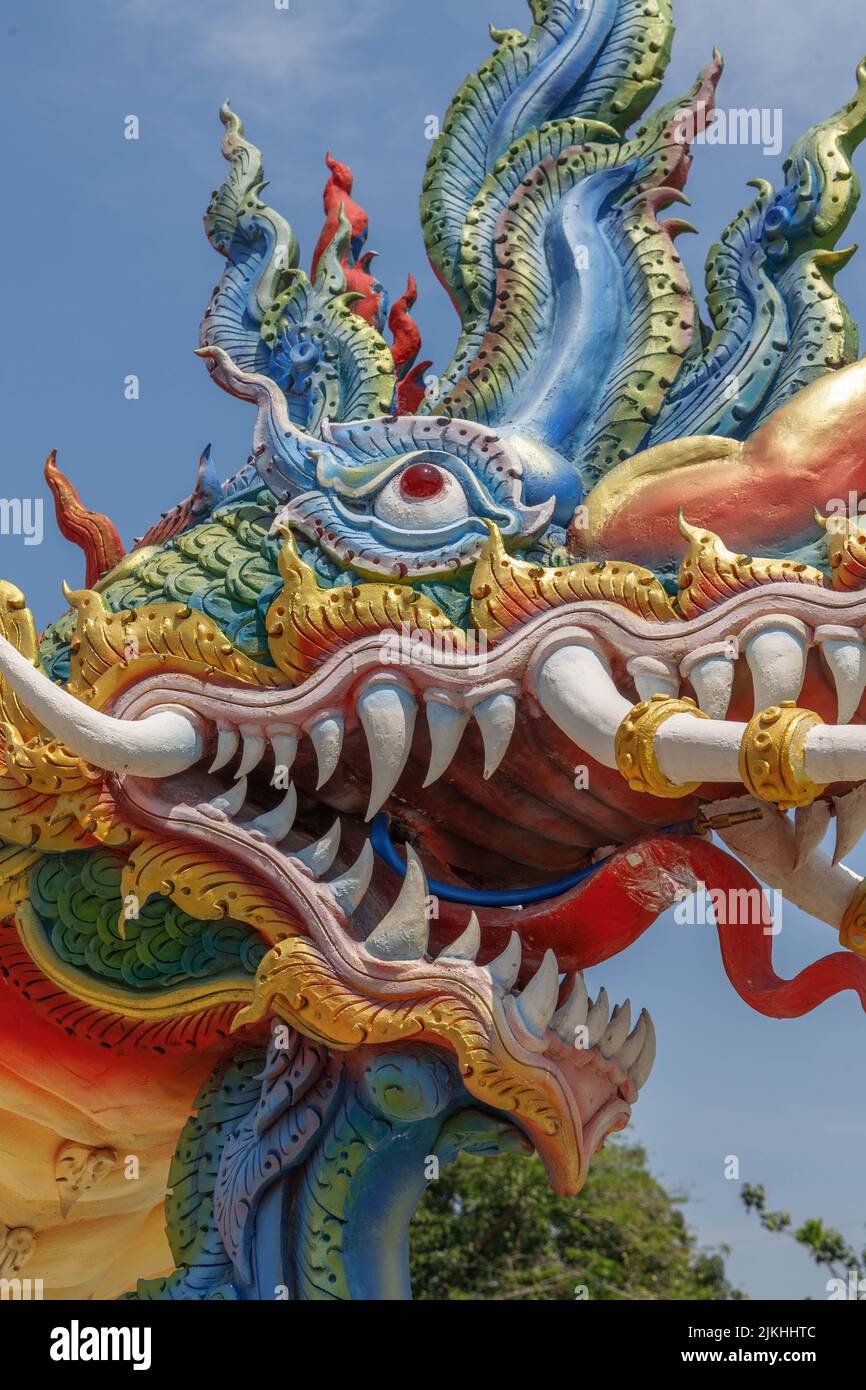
[[624, 897]]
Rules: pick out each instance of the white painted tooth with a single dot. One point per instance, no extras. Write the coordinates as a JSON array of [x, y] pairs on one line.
[[847, 661], [351, 886], [617, 1030], [630, 1050], [320, 855], [387, 713], [850, 821], [643, 1066], [231, 802], [712, 678], [536, 1004], [653, 676], [403, 932], [505, 969], [777, 661], [227, 742], [575, 689], [495, 717], [467, 944], [276, 824], [326, 736], [285, 748], [446, 725], [810, 827], [254, 748], [599, 1014], [573, 1013]]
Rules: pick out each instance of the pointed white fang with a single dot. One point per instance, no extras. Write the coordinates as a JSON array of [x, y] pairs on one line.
[[596, 1023], [231, 802], [320, 855], [536, 1004], [617, 1030], [777, 661], [810, 827], [387, 713], [652, 676], [467, 945], [446, 725], [572, 1015], [847, 661], [495, 717], [326, 736], [712, 678], [276, 824], [643, 1066], [403, 932], [575, 690], [351, 886], [505, 969], [630, 1049], [227, 742], [850, 821], [254, 748], [285, 748]]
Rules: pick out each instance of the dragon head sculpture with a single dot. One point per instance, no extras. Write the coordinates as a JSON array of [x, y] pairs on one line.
[[316, 804]]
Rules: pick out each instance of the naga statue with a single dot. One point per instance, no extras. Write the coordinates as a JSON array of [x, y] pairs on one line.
[[317, 803]]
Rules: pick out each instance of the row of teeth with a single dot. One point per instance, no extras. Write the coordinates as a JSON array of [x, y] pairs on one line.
[[387, 712], [403, 935], [776, 650]]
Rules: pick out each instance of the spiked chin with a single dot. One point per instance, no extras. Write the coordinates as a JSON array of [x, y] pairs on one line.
[[161, 745]]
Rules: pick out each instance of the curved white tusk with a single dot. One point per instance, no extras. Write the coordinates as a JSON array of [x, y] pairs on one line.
[[575, 689], [162, 744]]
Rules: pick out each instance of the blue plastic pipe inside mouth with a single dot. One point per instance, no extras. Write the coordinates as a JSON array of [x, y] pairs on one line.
[[380, 839]]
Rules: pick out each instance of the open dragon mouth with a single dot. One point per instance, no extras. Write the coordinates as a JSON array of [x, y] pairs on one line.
[[502, 766]]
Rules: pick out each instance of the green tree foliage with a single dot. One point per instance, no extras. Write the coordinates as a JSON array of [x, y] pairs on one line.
[[828, 1248], [492, 1228]]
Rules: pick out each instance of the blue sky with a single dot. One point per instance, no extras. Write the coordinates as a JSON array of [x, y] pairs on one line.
[[107, 272]]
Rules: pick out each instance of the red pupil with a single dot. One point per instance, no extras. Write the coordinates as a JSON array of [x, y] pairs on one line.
[[421, 480]]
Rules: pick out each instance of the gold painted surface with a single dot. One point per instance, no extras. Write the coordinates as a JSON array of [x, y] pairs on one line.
[[207, 886], [846, 548], [507, 591], [852, 932], [110, 650], [635, 746], [298, 982], [710, 573], [16, 625], [306, 623], [773, 756]]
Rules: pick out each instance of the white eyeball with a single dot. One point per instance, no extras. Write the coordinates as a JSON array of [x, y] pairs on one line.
[[421, 496]]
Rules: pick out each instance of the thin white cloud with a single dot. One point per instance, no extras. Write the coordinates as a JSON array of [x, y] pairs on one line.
[[290, 53]]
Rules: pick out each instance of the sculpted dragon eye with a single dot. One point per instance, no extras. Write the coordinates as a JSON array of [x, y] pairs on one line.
[[422, 495]]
